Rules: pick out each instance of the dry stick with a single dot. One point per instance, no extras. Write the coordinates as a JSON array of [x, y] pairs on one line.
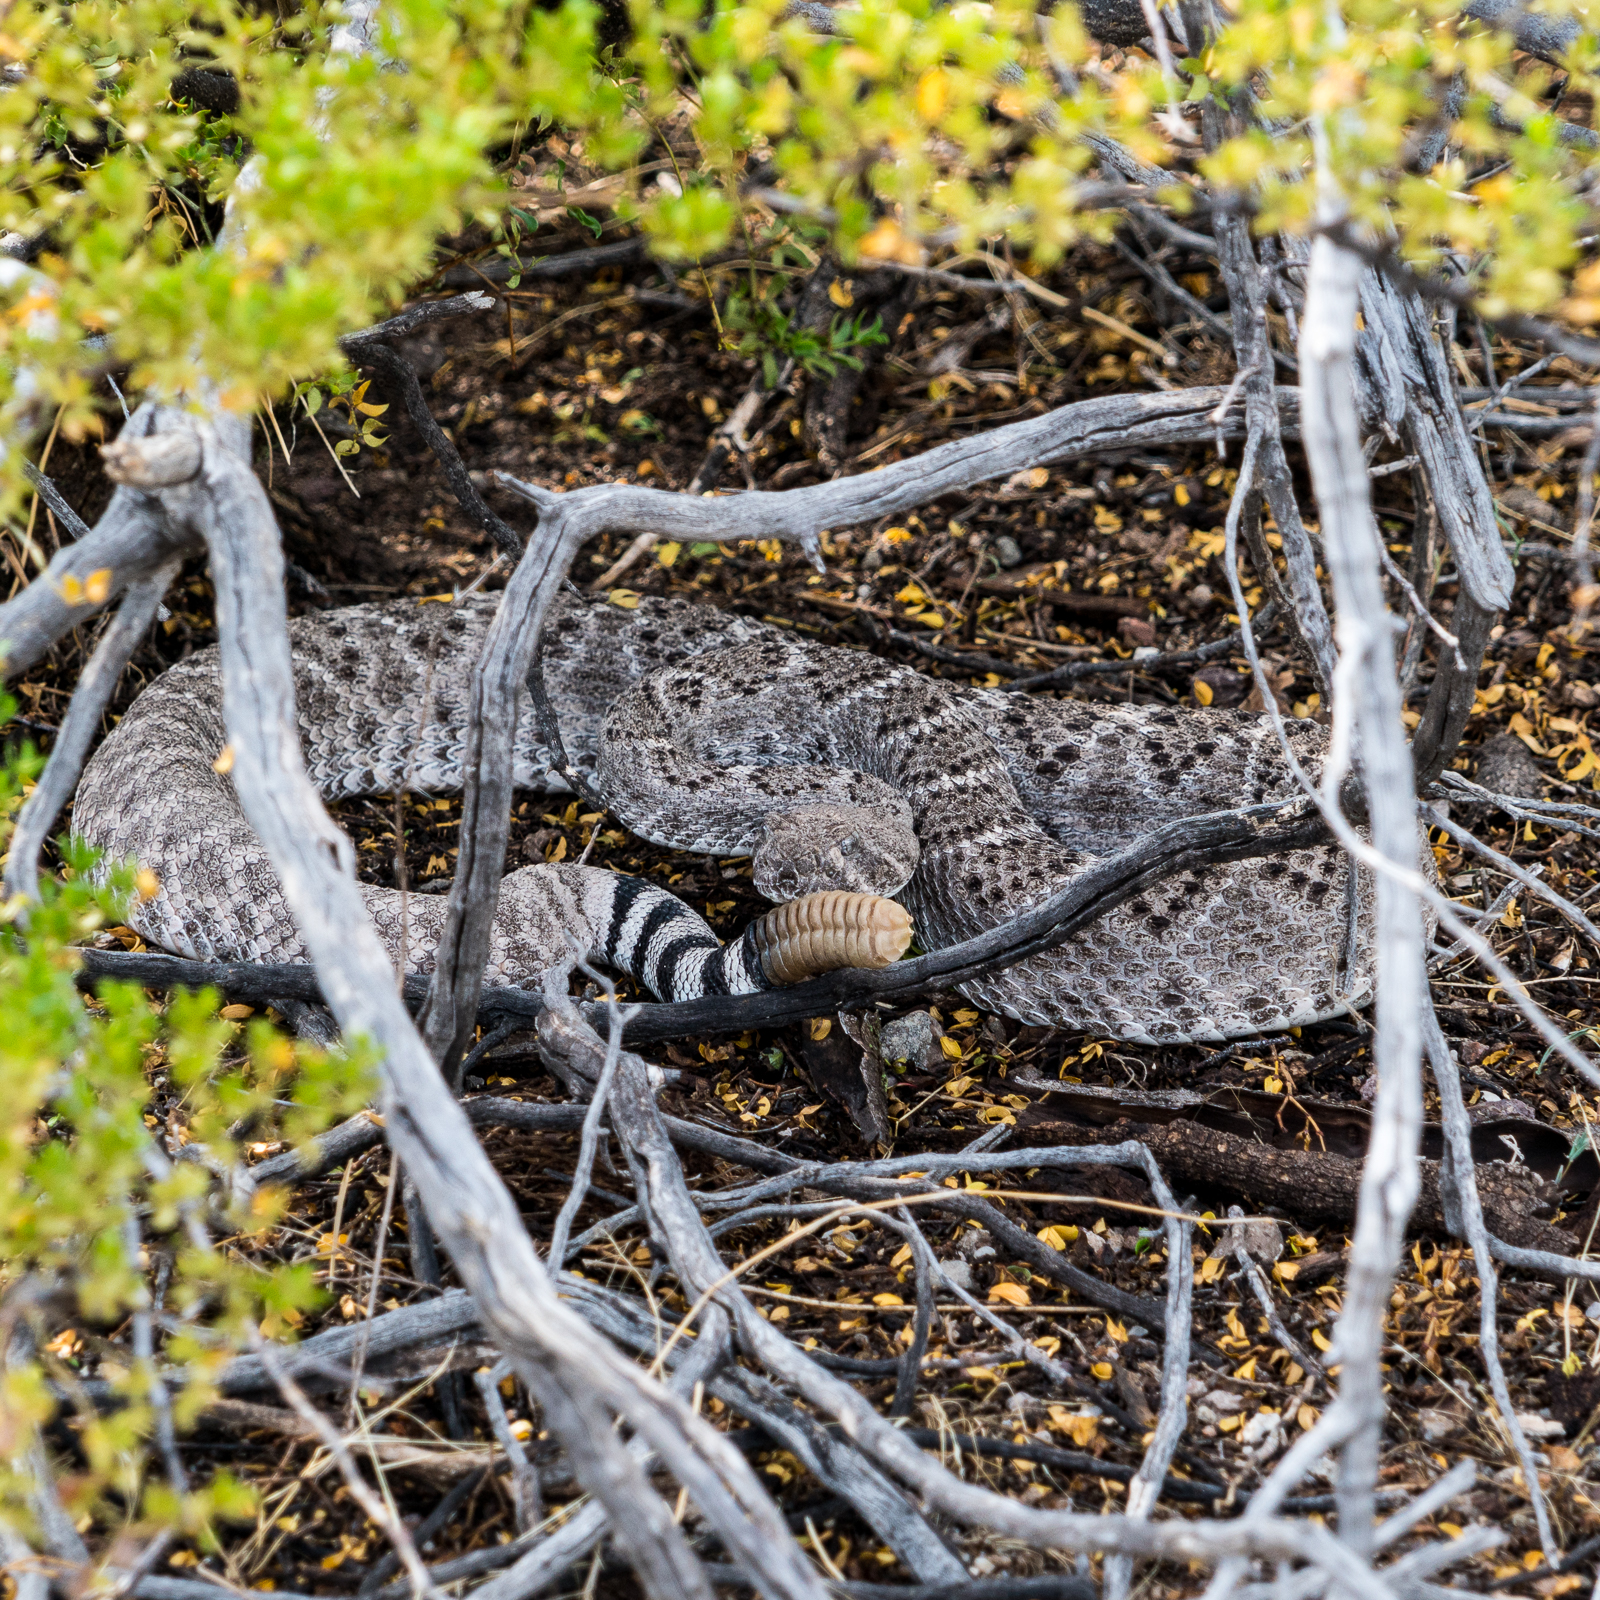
[[527, 1504], [1504, 864], [394, 366], [1175, 847], [133, 540], [1485, 918], [413, 317], [1174, 1411], [431, 1525], [677, 1230], [1367, 712], [1458, 1191], [378, 1513], [925, 1267], [1398, 343], [1262, 1290], [424, 1258], [968, 1504], [578, 1383], [556, 983], [96, 684], [1253, 352], [53, 498], [1419, 606], [1366, 681]]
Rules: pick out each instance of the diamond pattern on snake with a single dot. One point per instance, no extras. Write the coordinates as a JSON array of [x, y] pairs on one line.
[[840, 774]]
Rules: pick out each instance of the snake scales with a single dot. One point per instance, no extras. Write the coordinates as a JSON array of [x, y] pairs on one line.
[[835, 770]]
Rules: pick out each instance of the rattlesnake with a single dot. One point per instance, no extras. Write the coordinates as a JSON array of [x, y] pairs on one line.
[[838, 771]]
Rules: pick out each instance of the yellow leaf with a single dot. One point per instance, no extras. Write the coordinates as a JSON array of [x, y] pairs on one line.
[[1101, 1370], [71, 590], [821, 1027], [97, 586], [1273, 1085], [896, 535], [1307, 1416], [951, 1049], [1202, 692], [1321, 1340], [839, 293], [234, 1013], [957, 1086], [1012, 1293], [628, 599], [887, 243], [1228, 1424], [1038, 477], [224, 761], [933, 94], [1247, 1371], [1526, 732], [1210, 1269], [1180, 494], [901, 1256], [1116, 1330], [1058, 1236], [1080, 1430], [911, 595], [669, 552], [887, 1300]]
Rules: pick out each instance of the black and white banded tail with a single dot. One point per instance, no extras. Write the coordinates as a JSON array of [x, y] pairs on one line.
[[654, 938]]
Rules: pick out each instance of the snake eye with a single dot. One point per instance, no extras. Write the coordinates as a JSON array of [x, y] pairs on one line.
[[847, 847]]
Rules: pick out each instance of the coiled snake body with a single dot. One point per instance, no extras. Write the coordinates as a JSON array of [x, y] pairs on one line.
[[837, 771]]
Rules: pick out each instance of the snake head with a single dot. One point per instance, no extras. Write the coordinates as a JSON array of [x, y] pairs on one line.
[[862, 849]]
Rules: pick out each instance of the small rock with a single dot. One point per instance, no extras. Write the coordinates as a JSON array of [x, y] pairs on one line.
[[1224, 1402], [1593, 1313], [1436, 1425], [1136, 631], [1007, 552], [1262, 1435], [1506, 766], [1537, 1427], [914, 1039], [1582, 695], [959, 1272], [1146, 653], [975, 1243], [1201, 596], [1262, 1240], [1524, 503]]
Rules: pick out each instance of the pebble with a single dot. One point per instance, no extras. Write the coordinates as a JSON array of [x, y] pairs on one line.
[[1007, 551], [914, 1039]]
